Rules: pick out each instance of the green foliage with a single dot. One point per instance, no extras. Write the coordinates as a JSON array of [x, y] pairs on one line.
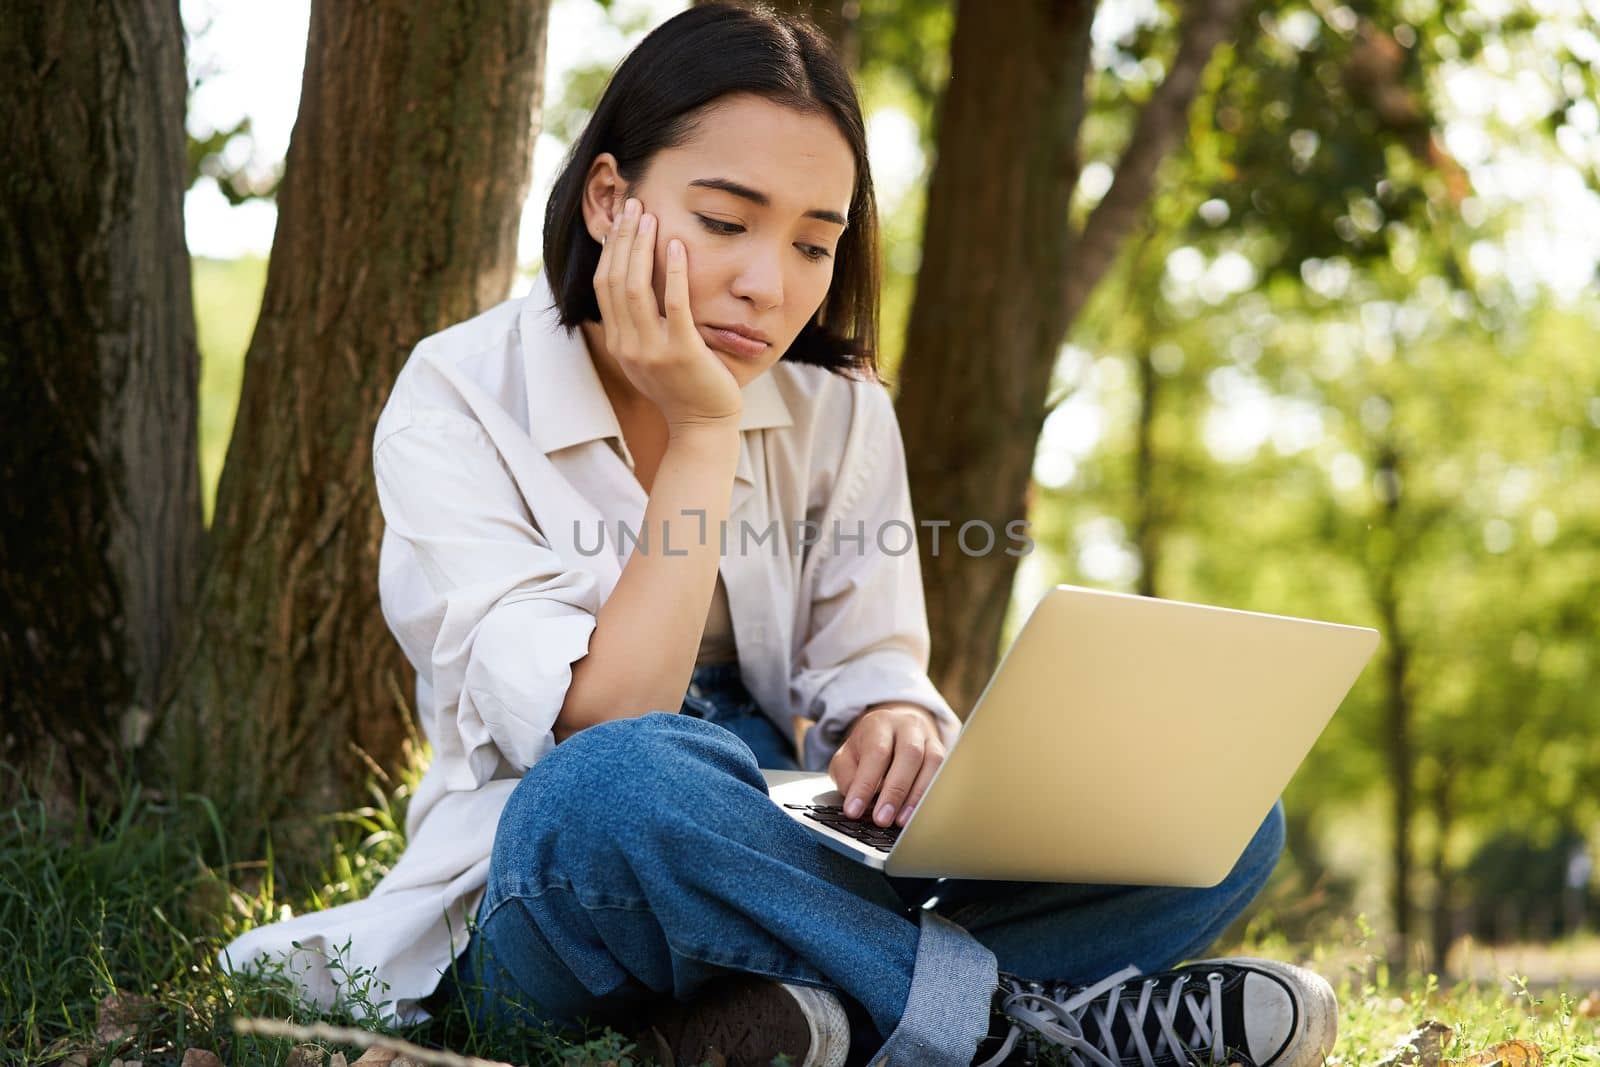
[[1340, 412], [905, 57], [227, 294], [207, 157]]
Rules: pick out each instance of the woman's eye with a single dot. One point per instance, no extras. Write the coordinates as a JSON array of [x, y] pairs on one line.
[[717, 226]]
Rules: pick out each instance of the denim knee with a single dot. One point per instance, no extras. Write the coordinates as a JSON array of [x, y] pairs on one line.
[[1260, 856], [618, 772]]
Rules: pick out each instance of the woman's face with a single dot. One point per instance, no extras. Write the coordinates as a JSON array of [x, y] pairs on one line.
[[759, 196]]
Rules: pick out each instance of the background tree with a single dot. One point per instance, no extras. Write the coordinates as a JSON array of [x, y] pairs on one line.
[[98, 477], [398, 216], [1313, 278], [1002, 277]]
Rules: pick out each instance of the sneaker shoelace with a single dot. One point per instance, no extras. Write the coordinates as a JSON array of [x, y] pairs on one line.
[[1043, 1011]]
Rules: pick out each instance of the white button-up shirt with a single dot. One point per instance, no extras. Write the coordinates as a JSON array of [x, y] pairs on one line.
[[503, 477]]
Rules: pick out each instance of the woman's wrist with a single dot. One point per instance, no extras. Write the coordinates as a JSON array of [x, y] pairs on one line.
[[709, 432], [933, 720]]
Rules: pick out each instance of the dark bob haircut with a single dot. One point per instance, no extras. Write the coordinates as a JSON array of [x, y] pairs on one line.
[[651, 103]]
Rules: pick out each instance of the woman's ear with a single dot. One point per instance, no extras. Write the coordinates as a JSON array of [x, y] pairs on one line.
[[603, 195]]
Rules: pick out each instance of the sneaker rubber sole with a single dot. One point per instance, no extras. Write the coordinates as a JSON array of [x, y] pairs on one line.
[[1316, 1025]]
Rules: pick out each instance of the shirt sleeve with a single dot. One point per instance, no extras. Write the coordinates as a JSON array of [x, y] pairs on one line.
[[486, 610], [867, 637]]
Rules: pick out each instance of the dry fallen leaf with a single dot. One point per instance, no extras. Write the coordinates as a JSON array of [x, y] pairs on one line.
[[201, 1057], [304, 1056], [117, 1017], [67, 1052], [1507, 1054], [1422, 1047], [376, 1057]]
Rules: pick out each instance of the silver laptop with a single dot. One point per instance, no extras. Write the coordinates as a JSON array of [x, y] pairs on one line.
[[1122, 740]]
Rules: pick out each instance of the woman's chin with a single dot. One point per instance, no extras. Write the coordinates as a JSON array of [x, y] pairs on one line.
[[741, 369]]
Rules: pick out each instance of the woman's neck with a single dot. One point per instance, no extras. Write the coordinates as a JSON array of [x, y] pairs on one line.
[[626, 400]]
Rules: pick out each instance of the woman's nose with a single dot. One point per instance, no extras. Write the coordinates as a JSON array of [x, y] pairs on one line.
[[760, 282]]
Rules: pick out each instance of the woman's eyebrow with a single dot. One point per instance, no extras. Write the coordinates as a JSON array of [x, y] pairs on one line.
[[761, 199]]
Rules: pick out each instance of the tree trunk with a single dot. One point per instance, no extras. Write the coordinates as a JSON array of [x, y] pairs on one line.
[[1148, 507], [984, 328], [398, 214], [1001, 280], [1443, 925], [1397, 697], [1397, 718], [99, 476], [1148, 527]]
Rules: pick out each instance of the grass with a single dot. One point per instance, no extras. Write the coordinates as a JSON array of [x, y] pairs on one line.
[[141, 906]]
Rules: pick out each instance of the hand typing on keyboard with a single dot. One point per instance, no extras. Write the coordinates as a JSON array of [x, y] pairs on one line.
[[887, 759], [881, 838]]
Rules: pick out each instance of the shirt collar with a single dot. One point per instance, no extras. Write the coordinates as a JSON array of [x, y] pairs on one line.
[[567, 405]]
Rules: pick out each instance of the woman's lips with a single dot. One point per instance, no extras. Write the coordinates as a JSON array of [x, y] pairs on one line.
[[733, 343]]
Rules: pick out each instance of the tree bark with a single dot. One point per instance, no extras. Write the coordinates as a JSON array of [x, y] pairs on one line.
[[398, 215], [1001, 280], [982, 335], [99, 476]]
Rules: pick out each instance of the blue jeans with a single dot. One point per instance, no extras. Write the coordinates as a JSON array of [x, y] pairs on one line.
[[642, 857]]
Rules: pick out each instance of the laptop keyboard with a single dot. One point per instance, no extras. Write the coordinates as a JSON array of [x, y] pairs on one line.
[[866, 831]]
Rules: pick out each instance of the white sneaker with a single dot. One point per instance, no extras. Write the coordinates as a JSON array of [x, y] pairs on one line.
[[1241, 1010], [747, 1020]]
